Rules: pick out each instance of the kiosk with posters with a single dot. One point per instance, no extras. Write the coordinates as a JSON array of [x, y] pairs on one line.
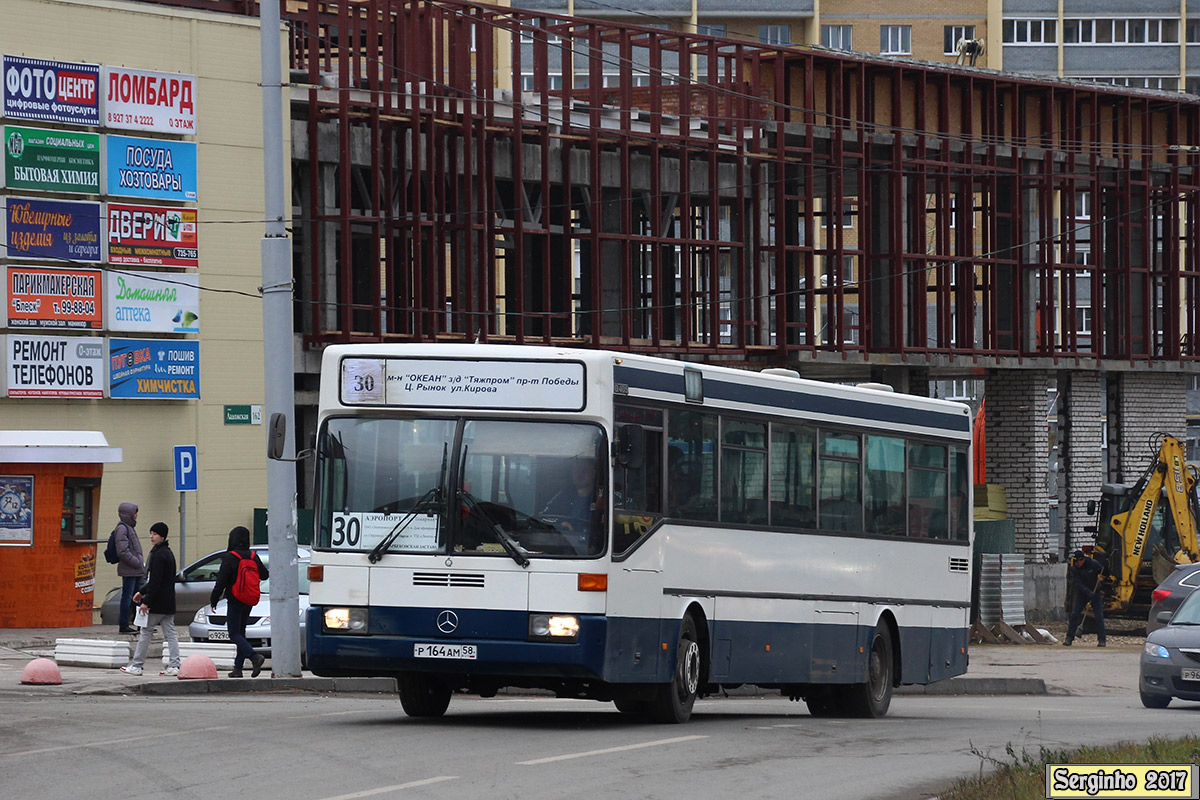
[[49, 504]]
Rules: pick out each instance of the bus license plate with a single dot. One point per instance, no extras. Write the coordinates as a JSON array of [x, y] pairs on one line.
[[1189, 674], [462, 651]]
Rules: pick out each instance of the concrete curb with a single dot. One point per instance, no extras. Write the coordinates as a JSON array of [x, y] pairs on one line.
[[963, 686], [250, 685]]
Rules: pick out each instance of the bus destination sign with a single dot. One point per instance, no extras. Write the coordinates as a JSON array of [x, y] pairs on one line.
[[452, 383]]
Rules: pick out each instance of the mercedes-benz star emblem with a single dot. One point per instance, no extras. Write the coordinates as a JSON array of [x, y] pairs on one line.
[[447, 622]]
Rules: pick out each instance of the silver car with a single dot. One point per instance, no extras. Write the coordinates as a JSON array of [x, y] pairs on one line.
[[1170, 664], [211, 626]]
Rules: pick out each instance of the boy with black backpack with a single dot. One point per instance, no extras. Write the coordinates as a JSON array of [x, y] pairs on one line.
[[237, 581]]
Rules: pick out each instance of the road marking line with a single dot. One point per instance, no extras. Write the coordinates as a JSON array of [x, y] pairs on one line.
[[334, 714], [607, 750], [396, 788], [104, 742]]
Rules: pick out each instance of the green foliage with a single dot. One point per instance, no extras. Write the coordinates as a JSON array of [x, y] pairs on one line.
[[1021, 774]]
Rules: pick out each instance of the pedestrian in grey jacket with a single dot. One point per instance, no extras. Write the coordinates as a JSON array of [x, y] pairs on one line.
[[131, 564]]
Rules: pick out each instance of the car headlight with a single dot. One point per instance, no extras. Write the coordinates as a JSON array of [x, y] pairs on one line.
[[1155, 650], [346, 620], [201, 616], [561, 627]]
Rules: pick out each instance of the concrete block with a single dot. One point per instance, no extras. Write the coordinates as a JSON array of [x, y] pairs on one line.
[[92, 652], [221, 653]]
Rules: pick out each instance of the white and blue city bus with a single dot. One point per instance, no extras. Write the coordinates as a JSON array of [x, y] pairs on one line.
[[633, 529]]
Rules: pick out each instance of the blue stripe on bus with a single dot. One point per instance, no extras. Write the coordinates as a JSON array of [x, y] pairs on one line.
[[627, 650], [793, 400]]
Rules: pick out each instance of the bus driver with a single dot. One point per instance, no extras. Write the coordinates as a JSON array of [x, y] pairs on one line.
[[573, 507]]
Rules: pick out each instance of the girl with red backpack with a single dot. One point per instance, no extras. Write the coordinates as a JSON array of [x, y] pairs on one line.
[[237, 581]]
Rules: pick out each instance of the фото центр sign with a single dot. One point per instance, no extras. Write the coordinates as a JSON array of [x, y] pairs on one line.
[[51, 91]]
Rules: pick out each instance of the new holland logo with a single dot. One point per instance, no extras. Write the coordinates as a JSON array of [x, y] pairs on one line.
[[447, 622]]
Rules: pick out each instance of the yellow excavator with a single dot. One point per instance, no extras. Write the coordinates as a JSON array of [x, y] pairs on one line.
[[1134, 533]]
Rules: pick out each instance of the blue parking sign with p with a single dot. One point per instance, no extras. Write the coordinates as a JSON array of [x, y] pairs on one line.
[[185, 468]]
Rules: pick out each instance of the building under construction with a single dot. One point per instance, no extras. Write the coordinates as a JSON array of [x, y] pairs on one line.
[[465, 172]]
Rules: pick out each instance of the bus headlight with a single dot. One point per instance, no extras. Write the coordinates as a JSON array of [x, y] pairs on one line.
[[346, 620], [559, 627]]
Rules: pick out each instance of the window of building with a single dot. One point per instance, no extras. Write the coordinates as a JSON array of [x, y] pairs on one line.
[[78, 509], [1193, 31], [712, 30], [1030, 31], [895, 40], [775, 34], [1078, 31], [951, 35], [1122, 31], [837, 37]]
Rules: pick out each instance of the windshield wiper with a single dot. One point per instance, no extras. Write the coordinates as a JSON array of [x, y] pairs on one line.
[[507, 542], [421, 506]]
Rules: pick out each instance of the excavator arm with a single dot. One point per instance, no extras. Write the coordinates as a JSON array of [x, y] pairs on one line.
[[1167, 474]]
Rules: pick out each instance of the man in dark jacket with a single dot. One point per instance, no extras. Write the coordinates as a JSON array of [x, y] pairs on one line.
[[238, 613], [1085, 574], [131, 567], [157, 599]]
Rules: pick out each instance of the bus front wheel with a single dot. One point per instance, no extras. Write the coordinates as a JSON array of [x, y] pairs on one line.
[[423, 695], [673, 701], [872, 698]]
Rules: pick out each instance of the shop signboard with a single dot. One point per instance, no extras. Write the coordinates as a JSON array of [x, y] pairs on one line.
[[158, 236], [154, 169], [154, 369], [51, 91], [143, 100], [53, 297], [45, 160], [152, 302], [53, 366], [49, 229]]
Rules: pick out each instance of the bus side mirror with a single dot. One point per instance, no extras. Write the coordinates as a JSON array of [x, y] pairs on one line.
[[276, 436], [631, 446]]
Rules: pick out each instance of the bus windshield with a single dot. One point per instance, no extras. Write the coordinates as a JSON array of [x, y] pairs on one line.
[[520, 489]]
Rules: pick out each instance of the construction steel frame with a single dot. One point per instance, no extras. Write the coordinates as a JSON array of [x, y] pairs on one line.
[[706, 196]]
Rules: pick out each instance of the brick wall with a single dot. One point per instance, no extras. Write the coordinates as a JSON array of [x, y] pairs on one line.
[[1018, 452], [1147, 403], [1082, 451]]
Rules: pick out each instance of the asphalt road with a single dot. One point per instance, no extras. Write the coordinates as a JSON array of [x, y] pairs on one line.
[[314, 747]]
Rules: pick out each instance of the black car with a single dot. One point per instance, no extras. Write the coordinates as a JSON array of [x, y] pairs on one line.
[[1170, 663], [1171, 593]]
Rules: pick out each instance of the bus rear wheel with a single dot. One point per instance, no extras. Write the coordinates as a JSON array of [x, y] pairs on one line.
[[872, 698], [673, 701], [423, 695]]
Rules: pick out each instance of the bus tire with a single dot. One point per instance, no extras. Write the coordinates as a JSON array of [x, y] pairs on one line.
[[872, 698], [630, 705], [673, 701], [423, 695], [822, 702]]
